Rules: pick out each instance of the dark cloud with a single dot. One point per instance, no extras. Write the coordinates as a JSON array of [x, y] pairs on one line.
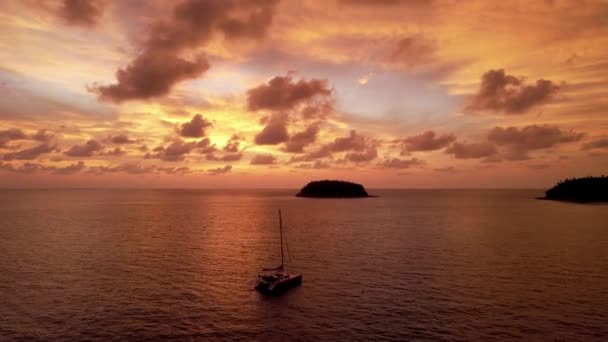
[[81, 12], [70, 169], [176, 170], [178, 149], [291, 101], [384, 3], [263, 159], [360, 149], [353, 141], [139, 169], [232, 145], [538, 166], [121, 139], [130, 168], [319, 153], [151, 75], [396, 163], [360, 157], [195, 128], [283, 93], [447, 169], [86, 150], [220, 170], [427, 141], [317, 109], [520, 141], [225, 157], [116, 152], [471, 151], [27, 167], [598, 143], [11, 134], [413, 50], [30, 153], [43, 135], [506, 93], [299, 140], [319, 164], [160, 64], [275, 131]]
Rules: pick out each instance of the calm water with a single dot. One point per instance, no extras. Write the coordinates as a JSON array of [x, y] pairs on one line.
[[409, 265]]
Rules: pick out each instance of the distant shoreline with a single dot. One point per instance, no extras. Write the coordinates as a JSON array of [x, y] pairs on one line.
[[566, 200]]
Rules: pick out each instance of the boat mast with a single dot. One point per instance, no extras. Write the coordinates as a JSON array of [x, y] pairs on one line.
[[281, 234]]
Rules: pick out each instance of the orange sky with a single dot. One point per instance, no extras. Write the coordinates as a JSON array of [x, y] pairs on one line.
[[258, 94]]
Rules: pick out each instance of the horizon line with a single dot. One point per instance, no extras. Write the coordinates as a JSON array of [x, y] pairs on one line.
[[246, 188]]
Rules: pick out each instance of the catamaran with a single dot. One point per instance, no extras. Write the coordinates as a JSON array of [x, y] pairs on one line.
[[276, 280]]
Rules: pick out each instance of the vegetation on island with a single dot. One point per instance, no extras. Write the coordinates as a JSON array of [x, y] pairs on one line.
[[583, 190], [333, 189]]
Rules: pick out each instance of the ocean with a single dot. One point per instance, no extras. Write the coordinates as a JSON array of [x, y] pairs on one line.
[[436, 265]]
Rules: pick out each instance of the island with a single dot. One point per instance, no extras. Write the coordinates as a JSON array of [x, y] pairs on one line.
[[333, 189], [580, 190]]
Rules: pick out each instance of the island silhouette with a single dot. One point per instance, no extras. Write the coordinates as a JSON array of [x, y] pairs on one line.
[[333, 189], [581, 190]]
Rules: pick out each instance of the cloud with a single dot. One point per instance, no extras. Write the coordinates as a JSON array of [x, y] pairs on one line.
[[116, 152], [319, 153], [178, 149], [81, 12], [388, 3], [232, 145], [396, 163], [283, 93], [471, 151], [30, 153], [195, 128], [598, 143], [27, 98], [86, 150], [318, 108], [220, 170], [538, 166], [299, 140], [43, 135], [70, 169], [447, 169], [151, 75], [318, 164], [291, 101], [121, 139], [263, 159], [28, 167], [506, 93], [520, 141], [225, 157], [130, 168], [139, 169], [11, 134], [353, 141], [275, 131], [361, 149], [359, 157], [176, 170], [160, 64], [427, 141], [413, 50]]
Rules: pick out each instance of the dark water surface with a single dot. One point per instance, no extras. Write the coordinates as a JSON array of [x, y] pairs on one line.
[[454, 265]]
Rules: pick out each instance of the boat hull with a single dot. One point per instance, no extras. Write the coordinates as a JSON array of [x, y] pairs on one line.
[[279, 286]]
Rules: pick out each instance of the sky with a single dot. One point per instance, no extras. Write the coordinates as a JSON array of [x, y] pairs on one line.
[[273, 94]]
